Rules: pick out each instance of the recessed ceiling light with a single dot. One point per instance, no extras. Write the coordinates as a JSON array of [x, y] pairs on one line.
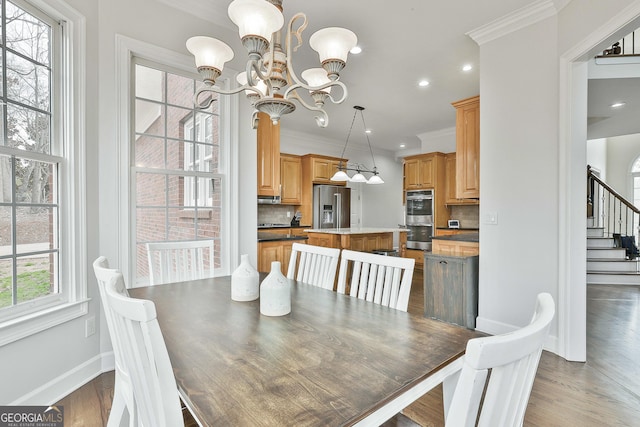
[[402, 145], [618, 104], [467, 67], [423, 83], [367, 131], [355, 50]]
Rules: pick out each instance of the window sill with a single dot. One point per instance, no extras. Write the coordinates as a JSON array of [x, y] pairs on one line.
[[191, 213], [22, 327]]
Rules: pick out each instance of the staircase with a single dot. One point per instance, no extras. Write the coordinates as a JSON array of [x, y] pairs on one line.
[[607, 264]]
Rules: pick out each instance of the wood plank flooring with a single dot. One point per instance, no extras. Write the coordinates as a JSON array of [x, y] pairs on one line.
[[605, 391]]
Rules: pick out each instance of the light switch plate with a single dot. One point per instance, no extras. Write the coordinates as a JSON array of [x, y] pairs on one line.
[[490, 218]]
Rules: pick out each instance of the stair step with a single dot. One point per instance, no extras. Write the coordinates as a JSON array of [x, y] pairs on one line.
[[595, 231], [613, 278], [608, 253], [600, 242], [609, 265]]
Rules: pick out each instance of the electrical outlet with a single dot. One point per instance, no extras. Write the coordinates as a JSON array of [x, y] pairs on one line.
[[90, 326], [288, 214]]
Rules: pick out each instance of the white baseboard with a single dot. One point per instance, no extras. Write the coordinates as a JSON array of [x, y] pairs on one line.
[[64, 384], [496, 328]]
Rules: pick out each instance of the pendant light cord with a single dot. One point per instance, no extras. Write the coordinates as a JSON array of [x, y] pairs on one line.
[[368, 142], [348, 135]]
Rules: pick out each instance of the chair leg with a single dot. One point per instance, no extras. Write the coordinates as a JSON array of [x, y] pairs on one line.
[[118, 408]]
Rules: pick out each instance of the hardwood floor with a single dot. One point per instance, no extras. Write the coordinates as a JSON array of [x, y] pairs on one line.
[[605, 391]]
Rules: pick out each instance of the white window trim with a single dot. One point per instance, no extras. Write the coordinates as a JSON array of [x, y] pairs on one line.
[[73, 261], [126, 49]]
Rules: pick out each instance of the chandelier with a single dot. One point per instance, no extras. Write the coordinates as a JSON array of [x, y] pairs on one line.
[[341, 174], [270, 81]]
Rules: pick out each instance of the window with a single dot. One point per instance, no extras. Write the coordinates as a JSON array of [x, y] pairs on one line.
[[635, 176], [176, 172], [38, 272]]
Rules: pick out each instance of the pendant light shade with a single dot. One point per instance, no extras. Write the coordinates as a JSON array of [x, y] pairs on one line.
[[358, 177], [255, 18], [333, 43], [375, 179], [209, 52], [340, 176]]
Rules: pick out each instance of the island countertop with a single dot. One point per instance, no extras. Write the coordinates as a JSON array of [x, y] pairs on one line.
[[357, 230]]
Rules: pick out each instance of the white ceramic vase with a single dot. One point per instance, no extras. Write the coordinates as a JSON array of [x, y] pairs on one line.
[[275, 293], [245, 284]]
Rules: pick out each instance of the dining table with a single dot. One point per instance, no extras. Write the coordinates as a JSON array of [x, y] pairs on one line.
[[334, 360]]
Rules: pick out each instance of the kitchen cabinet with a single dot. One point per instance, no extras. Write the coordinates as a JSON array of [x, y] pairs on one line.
[[423, 171], [279, 250], [454, 247], [371, 242], [468, 148], [290, 179], [451, 289], [450, 187], [322, 168], [268, 156], [417, 255]]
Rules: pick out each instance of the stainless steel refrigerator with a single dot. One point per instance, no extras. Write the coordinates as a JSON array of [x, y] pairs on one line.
[[331, 207]]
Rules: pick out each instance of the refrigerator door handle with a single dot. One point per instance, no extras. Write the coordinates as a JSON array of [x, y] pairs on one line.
[[337, 208]]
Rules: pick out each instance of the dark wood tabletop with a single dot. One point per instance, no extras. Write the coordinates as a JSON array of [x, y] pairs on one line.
[[334, 360]]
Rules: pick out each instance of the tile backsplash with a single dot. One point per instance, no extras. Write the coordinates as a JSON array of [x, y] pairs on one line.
[[468, 215], [276, 214]]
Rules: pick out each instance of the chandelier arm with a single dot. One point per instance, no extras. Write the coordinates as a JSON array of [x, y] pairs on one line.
[[298, 34], [269, 71], [323, 121], [216, 89]]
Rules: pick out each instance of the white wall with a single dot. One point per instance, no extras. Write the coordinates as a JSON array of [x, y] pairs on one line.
[[622, 152], [443, 140], [597, 156], [518, 175]]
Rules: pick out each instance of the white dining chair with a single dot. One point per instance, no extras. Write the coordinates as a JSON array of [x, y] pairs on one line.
[[498, 373], [381, 279], [179, 261], [144, 356], [315, 265], [123, 402]]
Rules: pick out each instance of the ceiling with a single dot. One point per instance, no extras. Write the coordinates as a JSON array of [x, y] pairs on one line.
[[410, 41]]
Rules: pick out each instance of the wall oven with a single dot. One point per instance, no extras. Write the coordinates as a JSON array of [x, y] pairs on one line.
[[419, 219]]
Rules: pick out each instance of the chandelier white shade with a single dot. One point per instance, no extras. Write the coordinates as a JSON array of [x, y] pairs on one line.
[[269, 81], [341, 174]]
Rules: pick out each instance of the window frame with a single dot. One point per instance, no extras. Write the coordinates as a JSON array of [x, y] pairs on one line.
[[126, 50], [68, 148]]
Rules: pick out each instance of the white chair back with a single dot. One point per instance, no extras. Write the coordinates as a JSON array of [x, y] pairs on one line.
[[122, 390], [512, 360], [381, 279], [179, 261], [144, 356], [316, 265]]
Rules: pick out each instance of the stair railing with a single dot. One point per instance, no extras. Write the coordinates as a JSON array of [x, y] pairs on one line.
[[609, 209]]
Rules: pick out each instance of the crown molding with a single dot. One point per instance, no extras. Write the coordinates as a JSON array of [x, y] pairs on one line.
[[517, 20], [437, 133], [212, 11]]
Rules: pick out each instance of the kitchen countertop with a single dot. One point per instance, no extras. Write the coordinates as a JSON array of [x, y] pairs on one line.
[[461, 228], [273, 237], [464, 237], [360, 230], [277, 226]]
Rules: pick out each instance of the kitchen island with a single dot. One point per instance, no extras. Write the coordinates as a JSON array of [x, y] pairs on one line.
[[362, 239]]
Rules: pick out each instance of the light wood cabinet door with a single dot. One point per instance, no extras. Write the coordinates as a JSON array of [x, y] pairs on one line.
[[274, 251], [417, 255], [291, 179], [450, 189], [412, 179], [324, 168], [268, 156], [468, 148], [427, 172]]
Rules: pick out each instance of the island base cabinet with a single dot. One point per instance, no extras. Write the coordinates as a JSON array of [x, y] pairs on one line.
[[274, 251], [451, 289]]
